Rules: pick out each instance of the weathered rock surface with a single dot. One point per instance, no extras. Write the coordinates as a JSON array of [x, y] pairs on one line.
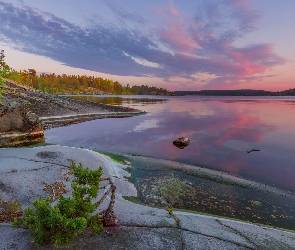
[[10, 140], [18, 119], [19, 127], [43, 104], [22, 113], [23, 172]]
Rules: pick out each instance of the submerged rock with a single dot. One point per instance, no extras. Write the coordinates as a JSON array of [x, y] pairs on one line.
[[181, 142]]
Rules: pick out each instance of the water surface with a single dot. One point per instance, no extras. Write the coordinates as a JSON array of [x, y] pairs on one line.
[[221, 130]]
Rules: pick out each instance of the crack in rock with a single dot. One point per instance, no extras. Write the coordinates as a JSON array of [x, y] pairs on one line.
[[238, 233]]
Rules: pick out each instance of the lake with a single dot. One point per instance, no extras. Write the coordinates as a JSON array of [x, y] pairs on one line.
[[221, 131]]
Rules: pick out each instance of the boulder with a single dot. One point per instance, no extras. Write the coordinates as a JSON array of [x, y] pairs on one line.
[[17, 119], [19, 127], [181, 142]]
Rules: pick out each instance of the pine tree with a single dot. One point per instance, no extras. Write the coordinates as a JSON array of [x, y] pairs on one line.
[[1, 80], [59, 225]]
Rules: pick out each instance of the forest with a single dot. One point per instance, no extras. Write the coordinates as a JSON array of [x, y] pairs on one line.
[[74, 84]]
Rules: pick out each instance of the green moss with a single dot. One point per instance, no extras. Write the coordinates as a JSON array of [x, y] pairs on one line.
[[115, 157], [173, 190], [128, 169], [133, 199]]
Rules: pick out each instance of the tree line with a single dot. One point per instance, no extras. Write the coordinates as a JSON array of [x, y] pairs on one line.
[[4, 72], [74, 84]]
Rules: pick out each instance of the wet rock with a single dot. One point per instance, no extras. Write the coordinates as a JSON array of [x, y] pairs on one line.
[[181, 142]]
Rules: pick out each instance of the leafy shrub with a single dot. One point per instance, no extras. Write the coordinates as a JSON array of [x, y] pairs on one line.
[[59, 225]]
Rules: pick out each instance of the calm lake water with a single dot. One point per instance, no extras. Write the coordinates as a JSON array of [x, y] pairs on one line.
[[221, 130]]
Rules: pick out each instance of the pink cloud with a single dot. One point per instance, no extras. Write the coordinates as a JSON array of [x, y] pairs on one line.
[[172, 9], [184, 44], [178, 39], [254, 59], [175, 34], [204, 43]]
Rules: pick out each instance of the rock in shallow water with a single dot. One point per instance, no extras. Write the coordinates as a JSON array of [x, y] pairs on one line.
[[181, 142]]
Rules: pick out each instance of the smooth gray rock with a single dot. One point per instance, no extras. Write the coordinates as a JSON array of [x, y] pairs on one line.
[[209, 226], [23, 172], [14, 238], [201, 242], [264, 237], [112, 238]]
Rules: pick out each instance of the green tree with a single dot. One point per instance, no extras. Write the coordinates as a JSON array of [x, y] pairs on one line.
[[118, 89], [59, 225], [32, 75], [4, 72]]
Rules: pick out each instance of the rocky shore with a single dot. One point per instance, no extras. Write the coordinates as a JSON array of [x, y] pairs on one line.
[[26, 172], [26, 112]]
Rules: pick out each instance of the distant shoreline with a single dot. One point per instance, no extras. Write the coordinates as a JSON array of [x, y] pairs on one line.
[[242, 92]]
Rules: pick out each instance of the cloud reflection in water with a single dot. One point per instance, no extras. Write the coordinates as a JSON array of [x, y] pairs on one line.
[[221, 130]]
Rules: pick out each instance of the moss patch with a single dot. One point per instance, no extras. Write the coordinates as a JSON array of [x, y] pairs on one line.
[[115, 157], [133, 199], [166, 191]]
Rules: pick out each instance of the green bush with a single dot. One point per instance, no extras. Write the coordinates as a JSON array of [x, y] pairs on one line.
[[59, 225], [4, 72]]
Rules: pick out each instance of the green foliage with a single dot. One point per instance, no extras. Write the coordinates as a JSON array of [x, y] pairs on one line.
[[133, 199], [66, 84], [169, 210], [4, 68], [173, 190], [72, 84], [147, 90], [59, 225], [115, 157]]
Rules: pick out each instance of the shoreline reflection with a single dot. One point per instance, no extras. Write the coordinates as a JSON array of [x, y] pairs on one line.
[[221, 131]]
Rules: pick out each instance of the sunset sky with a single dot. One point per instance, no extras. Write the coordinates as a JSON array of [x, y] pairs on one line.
[[176, 44]]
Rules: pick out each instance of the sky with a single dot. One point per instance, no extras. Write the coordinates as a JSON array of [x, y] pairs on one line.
[[174, 44]]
